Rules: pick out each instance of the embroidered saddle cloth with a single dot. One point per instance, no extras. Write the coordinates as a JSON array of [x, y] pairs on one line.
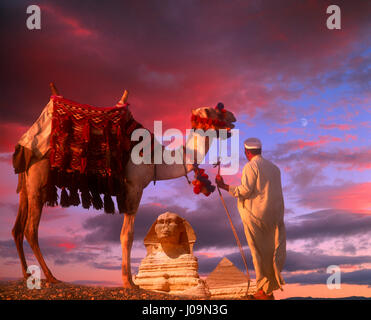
[[88, 149]]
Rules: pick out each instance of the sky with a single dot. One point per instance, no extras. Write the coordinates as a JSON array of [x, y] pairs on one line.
[[301, 88]]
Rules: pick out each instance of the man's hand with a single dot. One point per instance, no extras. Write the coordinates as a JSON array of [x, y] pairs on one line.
[[220, 182]]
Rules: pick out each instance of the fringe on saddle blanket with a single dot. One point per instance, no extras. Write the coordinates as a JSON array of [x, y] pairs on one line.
[[88, 149]]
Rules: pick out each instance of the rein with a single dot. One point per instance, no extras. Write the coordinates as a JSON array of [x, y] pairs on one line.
[[234, 232]]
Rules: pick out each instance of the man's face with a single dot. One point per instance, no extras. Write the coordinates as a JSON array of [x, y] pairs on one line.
[[248, 154], [168, 227]]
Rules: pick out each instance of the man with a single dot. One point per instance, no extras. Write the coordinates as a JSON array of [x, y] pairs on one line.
[[261, 207]]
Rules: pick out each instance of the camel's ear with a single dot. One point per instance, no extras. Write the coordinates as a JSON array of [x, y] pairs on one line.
[[53, 89], [124, 97]]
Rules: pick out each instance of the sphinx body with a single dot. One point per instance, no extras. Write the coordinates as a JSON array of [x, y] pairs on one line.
[[170, 265]]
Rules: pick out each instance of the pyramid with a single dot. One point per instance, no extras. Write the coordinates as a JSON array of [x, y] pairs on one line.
[[225, 274], [226, 281]]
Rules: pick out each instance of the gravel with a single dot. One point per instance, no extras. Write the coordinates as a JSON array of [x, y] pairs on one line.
[[17, 290]]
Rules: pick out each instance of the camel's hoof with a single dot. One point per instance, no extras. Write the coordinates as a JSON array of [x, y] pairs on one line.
[[53, 280], [128, 285]]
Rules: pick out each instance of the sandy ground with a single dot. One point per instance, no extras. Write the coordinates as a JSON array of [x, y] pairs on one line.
[[17, 290]]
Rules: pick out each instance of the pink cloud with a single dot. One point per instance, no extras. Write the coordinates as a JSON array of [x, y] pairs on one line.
[[348, 158], [298, 144], [339, 126], [179, 76], [355, 197], [208, 254], [68, 246], [157, 204], [289, 130], [349, 137], [283, 130], [366, 124], [10, 133], [68, 21]]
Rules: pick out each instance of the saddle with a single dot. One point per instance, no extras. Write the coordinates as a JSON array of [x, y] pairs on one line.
[[88, 151]]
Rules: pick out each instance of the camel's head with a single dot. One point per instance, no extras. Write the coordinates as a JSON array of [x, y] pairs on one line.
[[212, 118]]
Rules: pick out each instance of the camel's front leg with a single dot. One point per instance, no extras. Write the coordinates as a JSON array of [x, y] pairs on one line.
[[126, 238]]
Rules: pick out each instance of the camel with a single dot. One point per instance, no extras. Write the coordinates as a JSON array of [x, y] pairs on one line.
[[32, 197]]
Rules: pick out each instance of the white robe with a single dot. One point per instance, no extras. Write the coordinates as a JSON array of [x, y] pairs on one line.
[[261, 207]]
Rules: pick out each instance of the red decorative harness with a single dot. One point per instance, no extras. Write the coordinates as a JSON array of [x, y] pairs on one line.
[[89, 149]]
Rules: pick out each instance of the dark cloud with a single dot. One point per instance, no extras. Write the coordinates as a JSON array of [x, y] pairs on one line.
[[298, 261], [350, 159], [211, 224], [173, 56], [306, 162], [328, 224], [349, 248], [55, 249], [8, 249], [97, 283], [12, 207], [107, 228], [306, 176], [359, 277], [106, 266], [6, 157], [213, 230], [213, 233], [295, 261], [209, 221]]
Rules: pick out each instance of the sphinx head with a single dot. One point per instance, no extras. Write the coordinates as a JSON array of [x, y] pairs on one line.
[[169, 228], [170, 234]]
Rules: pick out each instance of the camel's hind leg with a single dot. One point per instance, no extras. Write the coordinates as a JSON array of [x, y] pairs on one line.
[[36, 191], [20, 224]]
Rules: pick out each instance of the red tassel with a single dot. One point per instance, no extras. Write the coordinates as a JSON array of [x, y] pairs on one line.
[[86, 139], [64, 199], [109, 206], [86, 132], [120, 143], [52, 196], [97, 201], [74, 198], [197, 189], [86, 199]]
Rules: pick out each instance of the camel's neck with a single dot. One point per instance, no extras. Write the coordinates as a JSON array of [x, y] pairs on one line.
[[194, 151]]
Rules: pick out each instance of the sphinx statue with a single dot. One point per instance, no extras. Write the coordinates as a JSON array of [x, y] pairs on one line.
[[170, 265]]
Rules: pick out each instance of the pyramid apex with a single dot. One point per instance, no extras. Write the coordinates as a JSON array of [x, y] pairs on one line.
[[225, 262]]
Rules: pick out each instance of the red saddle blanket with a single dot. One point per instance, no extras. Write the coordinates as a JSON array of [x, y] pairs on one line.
[[89, 149]]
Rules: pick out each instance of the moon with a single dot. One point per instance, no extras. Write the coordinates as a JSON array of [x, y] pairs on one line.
[[304, 122]]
